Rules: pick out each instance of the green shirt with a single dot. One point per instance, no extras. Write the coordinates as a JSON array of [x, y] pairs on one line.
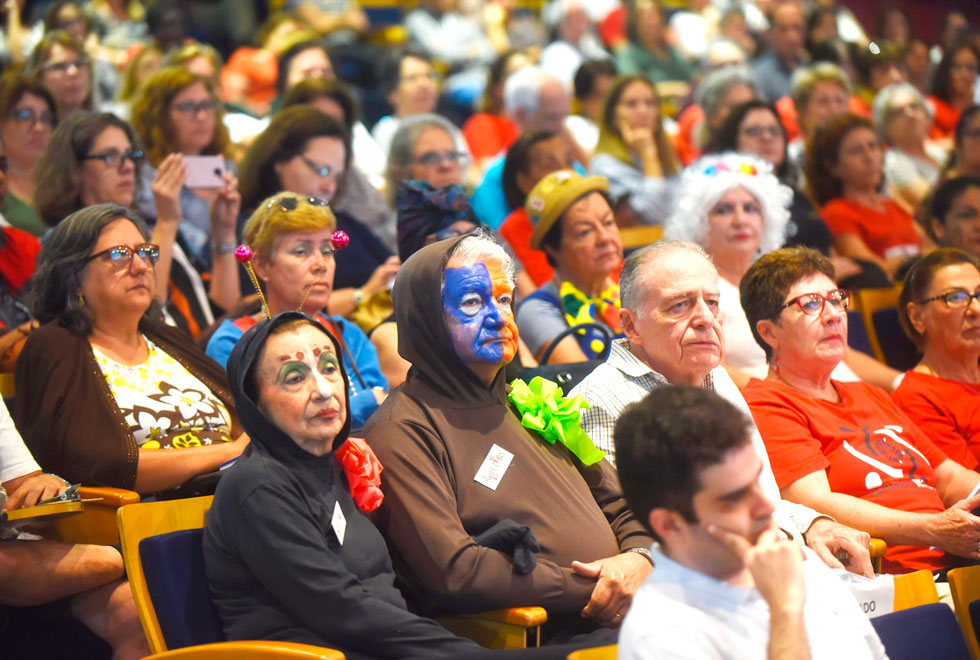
[[632, 59], [22, 215]]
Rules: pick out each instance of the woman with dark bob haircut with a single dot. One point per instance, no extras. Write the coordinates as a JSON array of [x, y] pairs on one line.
[[954, 214], [104, 387], [937, 312], [845, 174]]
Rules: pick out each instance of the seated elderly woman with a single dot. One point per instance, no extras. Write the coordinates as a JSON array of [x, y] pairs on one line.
[[953, 214], [575, 227], [290, 237], [299, 494], [912, 161], [936, 311], [847, 449], [634, 152], [459, 513], [106, 393], [844, 173], [733, 206]]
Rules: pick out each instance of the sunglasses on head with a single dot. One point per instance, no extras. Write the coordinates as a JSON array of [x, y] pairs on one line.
[[290, 203]]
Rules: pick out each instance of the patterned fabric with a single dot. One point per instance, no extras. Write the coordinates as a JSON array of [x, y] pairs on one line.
[[163, 404], [579, 308], [423, 210]]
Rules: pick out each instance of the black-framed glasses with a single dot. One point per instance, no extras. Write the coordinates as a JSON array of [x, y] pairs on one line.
[[430, 158], [64, 67], [30, 117], [958, 299], [812, 303], [319, 170], [116, 158], [194, 107], [290, 203], [758, 131], [122, 255]]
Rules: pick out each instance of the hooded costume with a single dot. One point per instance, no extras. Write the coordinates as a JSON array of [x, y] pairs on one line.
[[433, 435], [276, 566]]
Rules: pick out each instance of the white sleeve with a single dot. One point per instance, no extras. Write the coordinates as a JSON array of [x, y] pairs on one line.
[[15, 458]]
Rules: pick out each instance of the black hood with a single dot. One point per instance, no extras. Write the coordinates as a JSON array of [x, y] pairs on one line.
[[262, 432], [424, 339]]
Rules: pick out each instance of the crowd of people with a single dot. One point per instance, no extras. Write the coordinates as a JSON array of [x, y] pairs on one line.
[[368, 284]]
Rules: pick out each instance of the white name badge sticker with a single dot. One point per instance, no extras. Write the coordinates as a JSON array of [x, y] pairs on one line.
[[493, 467], [338, 522]]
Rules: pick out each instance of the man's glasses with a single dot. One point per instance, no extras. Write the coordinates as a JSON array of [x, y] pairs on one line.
[[319, 170], [430, 158], [30, 117], [194, 107], [122, 255], [957, 299], [812, 303], [290, 203], [116, 158], [759, 131], [64, 67]]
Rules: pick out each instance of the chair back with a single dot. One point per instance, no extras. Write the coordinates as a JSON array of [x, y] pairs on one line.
[[595, 653], [927, 631], [175, 558], [964, 586], [914, 589], [879, 311]]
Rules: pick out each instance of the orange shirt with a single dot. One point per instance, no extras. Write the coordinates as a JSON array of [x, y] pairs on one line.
[[945, 119], [517, 230], [948, 411], [487, 135], [886, 233]]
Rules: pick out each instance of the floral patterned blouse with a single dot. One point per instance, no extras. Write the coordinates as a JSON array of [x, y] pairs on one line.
[[164, 404]]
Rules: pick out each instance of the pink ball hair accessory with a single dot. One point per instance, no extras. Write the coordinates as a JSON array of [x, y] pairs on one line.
[[243, 254], [339, 240]]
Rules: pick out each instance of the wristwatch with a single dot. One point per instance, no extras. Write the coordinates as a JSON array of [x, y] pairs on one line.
[[642, 551], [357, 298]]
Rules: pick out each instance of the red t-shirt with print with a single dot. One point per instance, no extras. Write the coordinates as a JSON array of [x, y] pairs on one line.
[[948, 411], [886, 232], [869, 448]]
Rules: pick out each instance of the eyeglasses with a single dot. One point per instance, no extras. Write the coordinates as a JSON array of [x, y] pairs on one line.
[[759, 131], [30, 117], [122, 255], [193, 108], [64, 67], [319, 170], [957, 299], [290, 203], [812, 304], [116, 158], [430, 158]]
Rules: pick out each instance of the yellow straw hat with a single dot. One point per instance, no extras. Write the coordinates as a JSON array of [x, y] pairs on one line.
[[553, 194]]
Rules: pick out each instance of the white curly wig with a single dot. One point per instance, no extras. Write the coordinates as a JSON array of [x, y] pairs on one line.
[[704, 182]]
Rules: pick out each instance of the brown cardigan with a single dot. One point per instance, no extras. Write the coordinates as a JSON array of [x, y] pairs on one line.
[[67, 415]]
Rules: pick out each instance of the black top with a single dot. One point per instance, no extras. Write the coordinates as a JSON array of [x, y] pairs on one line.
[[361, 257], [276, 567]]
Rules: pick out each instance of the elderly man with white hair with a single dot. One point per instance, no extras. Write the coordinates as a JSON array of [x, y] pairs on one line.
[[671, 317], [536, 101]]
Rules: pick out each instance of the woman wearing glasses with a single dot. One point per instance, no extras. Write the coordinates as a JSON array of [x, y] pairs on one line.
[[27, 118], [106, 393], [735, 207], [847, 449], [61, 65], [425, 148], [94, 158], [939, 310], [177, 114], [293, 258]]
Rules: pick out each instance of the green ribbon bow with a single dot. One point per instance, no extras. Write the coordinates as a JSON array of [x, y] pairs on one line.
[[544, 409]]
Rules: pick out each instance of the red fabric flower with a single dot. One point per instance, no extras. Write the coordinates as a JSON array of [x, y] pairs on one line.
[[363, 472]]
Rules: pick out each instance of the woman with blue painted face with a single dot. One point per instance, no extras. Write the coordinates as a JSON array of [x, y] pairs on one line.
[[477, 506]]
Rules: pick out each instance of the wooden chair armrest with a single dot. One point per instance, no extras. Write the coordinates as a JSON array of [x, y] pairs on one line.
[[97, 523], [257, 650], [112, 497], [526, 617], [877, 548]]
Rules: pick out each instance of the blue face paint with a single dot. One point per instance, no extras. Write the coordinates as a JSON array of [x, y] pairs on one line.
[[477, 304]]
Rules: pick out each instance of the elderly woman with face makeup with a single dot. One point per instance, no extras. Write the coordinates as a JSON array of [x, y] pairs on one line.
[[297, 495], [937, 312], [108, 394], [290, 237], [847, 449], [458, 462]]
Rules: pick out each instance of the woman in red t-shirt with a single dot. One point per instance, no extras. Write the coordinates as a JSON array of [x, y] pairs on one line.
[[844, 172], [952, 87], [846, 449], [937, 311]]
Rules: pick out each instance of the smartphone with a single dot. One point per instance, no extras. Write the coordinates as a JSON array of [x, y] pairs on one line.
[[205, 171]]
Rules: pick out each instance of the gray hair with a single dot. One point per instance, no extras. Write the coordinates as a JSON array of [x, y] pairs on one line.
[[482, 246], [402, 148], [883, 101], [806, 78], [714, 87], [522, 91], [634, 282]]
